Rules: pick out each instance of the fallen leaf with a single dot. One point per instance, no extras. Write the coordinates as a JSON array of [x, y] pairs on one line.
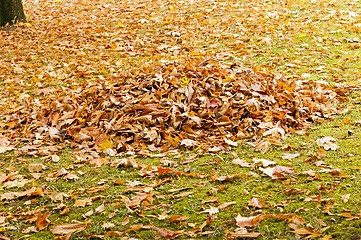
[[100, 209], [345, 198], [83, 202], [278, 172], [212, 210], [254, 202], [241, 163], [42, 222], [68, 228], [35, 167], [182, 195], [289, 156], [243, 222], [243, 233], [188, 143], [264, 162], [327, 143], [226, 204], [108, 225], [6, 149], [210, 200], [303, 231], [125, 221]]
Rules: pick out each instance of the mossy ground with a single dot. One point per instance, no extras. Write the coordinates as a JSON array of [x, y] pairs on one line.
[[318, 38]]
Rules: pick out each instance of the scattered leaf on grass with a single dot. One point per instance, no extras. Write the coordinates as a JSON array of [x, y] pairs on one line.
[[241, 163], [68, 228], [210, 200], [278, 172], [212, 210], [290, 156], [243, 222], [327, 143], [42, 222]]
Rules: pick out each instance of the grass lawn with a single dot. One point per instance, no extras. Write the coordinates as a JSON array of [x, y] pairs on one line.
[[57, 191]]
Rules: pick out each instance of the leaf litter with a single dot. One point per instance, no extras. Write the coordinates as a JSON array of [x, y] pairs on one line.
[[206, 102], [153, 110]]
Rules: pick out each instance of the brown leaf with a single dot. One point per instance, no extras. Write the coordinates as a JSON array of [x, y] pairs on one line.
[[241, 163], [182, 195], [243, 222], [243, 233], [264, 162], [68, 228], [177, 218], [292, 191], [5, 149], [254, 202], [212, 210], [278, 172], [35, 167], [100, 209], [83, 202], [289, 156], [125, 221], [4, 238], [42, 222], [303, 231], [327, 143], [210, 200], [226, 204]]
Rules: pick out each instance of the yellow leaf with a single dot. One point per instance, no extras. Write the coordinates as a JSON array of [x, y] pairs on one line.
[[121, 25], [106, 145], [302, 231], [185, 80]]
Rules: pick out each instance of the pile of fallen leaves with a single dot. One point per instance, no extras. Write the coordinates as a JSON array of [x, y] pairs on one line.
[[194, 104]]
